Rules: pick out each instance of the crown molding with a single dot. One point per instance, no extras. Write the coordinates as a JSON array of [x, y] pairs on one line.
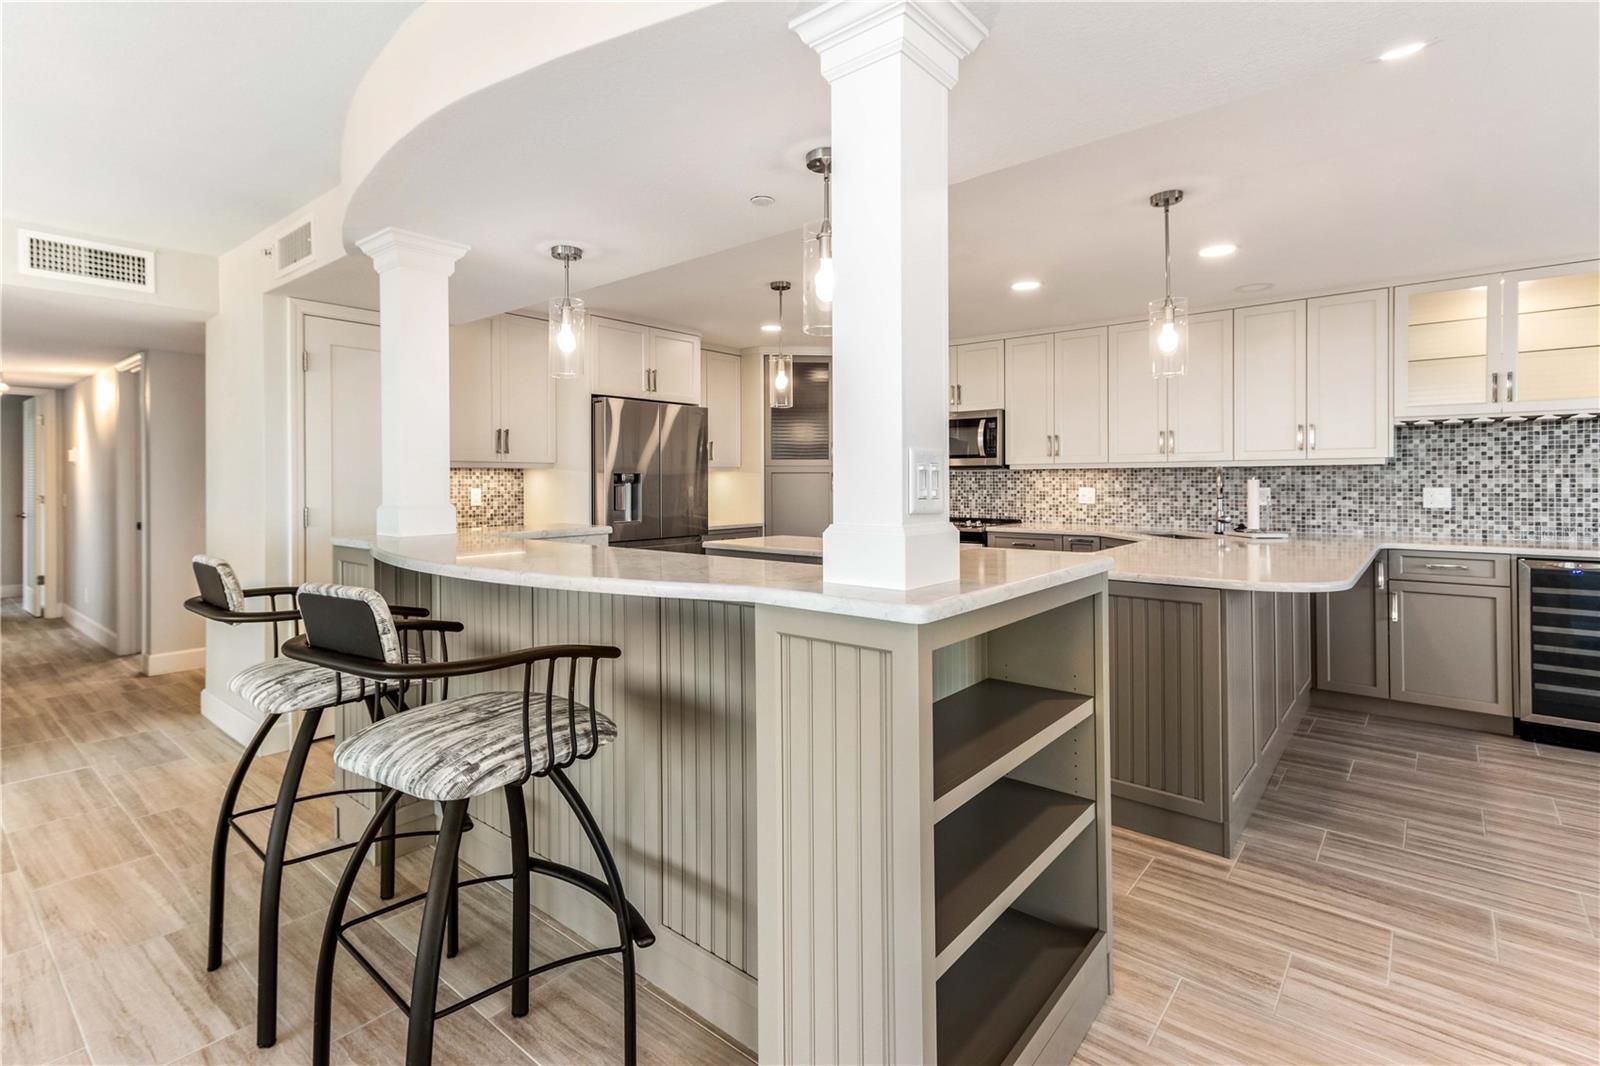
[[850, 35], [389, 248]]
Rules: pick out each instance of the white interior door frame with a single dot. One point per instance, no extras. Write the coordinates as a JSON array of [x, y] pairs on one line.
[[131, 550], [46, 510], [294, 363]]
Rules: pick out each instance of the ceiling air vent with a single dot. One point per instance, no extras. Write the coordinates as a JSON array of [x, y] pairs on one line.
[[294, 247], [53, 256]]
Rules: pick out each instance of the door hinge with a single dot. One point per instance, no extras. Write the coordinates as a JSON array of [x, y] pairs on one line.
[[305, 517]]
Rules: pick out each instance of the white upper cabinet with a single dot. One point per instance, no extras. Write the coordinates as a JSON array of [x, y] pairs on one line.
[[652, 364], [1447, 347], [1269, 382], [1137, 411], [1200, 400], [722, 403], [977, 376], [1551, 348], [1030, 401], [1347, 377], [502, 400], [1080, 396]]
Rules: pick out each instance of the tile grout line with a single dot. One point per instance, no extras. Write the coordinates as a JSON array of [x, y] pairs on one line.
[[1156, 1028]]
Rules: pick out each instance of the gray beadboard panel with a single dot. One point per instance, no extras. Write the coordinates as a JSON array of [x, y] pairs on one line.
[[959, 665], [835, 707], [1264, 625], [1158, 694], [1529, 480], [708, 825], [1239, 696]]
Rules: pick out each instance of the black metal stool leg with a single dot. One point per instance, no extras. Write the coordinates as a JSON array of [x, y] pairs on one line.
[[517, 811], [386, 848], [272, 881], [619, 904], [430, 940], [322, 1008], [219, 843], [452, 918]]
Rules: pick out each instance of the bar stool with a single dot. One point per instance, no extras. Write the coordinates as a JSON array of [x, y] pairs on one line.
[[450, 752], [274, 688]]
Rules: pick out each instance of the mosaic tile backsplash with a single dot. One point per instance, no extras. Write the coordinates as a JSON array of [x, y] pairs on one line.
[[1524, 480], [502, 496]]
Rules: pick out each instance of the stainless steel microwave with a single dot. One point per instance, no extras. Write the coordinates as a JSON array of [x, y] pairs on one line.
[[978, 438]]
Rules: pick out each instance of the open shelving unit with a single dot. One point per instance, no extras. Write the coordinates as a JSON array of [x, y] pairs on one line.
[[1021, 862]]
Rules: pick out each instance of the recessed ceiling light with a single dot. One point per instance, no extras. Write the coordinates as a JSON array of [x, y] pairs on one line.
[[1403, 51], [1254, 286], [1218, 251], [1026, 285], [761, 200], [770, 327]]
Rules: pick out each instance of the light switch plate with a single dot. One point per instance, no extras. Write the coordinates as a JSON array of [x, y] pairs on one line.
[[1436, 497], [926, 481], [477, 496], [1266, 494], [1085, 493]]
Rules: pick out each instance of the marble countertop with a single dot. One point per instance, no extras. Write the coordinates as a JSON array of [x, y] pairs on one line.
[[988, 576], [557, 531], [799, 547]]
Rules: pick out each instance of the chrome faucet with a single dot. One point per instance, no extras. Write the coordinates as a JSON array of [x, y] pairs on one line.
[[1219, 524]]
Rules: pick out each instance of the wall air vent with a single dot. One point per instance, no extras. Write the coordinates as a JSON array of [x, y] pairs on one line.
[[51, 255], [293, 247]]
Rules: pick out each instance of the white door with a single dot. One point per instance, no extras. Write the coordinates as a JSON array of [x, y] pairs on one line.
[[474, 417], [1080, 396], [32, 511], [343, 443], [1269, 386], [619, 357], [722, 410], [1447, 347], [524, 392], [1551, 353], [980, 376], [1137, 399], [675, 360], [1200, 401], [1030, 414], [1347, 377]]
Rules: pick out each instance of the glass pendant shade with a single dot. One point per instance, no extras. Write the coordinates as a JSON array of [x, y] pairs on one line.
[[817, 296], [567, 321], [780, 380], [1169, 336]]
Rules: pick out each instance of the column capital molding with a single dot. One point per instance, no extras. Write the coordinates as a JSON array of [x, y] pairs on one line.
[[390, 248], [850, 35]]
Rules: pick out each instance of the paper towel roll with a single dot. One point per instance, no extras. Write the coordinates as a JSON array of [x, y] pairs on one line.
[[1252, 504]]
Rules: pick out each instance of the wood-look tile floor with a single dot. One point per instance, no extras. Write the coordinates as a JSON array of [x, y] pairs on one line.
[[1404, 894]]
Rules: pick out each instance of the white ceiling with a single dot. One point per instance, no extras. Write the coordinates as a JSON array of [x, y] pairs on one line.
[[1328, 168], [53, 339], [179, 125], [1480, 152]]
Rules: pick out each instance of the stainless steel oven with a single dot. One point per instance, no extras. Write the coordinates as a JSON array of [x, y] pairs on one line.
[[1558, 637], [978, 438]]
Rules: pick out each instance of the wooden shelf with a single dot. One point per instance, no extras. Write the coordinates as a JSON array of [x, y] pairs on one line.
[[986, 730], [992, 1001], [988, 852]]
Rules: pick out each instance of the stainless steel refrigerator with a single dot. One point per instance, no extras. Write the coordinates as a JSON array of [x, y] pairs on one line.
[[650, 472]]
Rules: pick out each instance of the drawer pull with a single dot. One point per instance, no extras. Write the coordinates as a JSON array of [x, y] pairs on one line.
[[1394, 607], [1445, 566], [1383, 576]]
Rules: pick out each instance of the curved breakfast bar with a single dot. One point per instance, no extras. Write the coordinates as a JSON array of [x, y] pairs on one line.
[[834, 804]]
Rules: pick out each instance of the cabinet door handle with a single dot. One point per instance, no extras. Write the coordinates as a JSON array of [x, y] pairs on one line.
[[1511, 386], [1311, 436], [952, 395], [1383, 576], [507, 432], [1055, 443], [1494, 387], [958, 393], [1444, 566], [1161, 442], [1394, 607], [1172, 442], [497, 440], [1299, 437], [711, 450]]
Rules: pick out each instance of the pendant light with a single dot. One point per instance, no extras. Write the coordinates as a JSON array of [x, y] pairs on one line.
[[567, 319], [817, 242], [1169, 317], [780, 367]]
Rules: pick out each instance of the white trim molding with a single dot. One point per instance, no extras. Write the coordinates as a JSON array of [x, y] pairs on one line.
[[172, 662], [101, 635], [390, 248], [850, 35]]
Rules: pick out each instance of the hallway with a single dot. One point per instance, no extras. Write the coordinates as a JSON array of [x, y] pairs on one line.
[[108, 781]]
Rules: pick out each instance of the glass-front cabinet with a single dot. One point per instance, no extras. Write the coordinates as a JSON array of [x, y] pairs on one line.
[[1522, 342]]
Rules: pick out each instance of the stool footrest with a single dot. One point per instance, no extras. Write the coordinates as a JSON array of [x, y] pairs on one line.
[[233, 823]]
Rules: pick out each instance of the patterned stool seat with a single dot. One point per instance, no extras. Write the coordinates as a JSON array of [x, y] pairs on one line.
[[280, 686], [467, 746]]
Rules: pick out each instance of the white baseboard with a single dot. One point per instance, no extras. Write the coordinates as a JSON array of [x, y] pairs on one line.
[[240, 726], [10, 590], [170, 662], [106, 638]]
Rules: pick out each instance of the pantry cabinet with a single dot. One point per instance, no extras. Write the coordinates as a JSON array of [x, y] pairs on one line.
[[977, 376], [722, 402], [627, 359], [502, 410], [1055, 398], [1185, 418]]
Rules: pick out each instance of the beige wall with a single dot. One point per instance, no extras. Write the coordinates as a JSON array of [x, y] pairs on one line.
[[91, 506], [176, 429], [11, 494]]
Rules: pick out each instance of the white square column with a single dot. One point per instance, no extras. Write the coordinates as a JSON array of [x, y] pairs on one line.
[[890, 67], [414, 390]]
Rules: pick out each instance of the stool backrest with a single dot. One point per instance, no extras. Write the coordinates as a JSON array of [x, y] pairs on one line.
[[349, 621], [219, 586]]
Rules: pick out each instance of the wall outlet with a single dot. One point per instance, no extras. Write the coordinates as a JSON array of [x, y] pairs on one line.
[[1085, 493], [1436, 497], [476, 495], [926, 481]]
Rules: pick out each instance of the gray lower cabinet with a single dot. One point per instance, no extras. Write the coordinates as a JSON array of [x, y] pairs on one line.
[[1040, 541], [1353, 637], [1450, 645], [1206, 687]]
